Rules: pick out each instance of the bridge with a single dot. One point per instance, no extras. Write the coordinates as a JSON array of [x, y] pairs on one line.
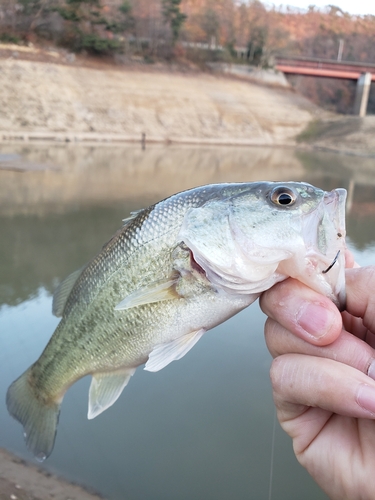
[[363, 73]]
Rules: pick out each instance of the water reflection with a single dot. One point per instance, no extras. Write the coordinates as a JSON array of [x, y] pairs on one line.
[[69, 177], [40, 250], [59, 204], [201, 428], [356, 174]]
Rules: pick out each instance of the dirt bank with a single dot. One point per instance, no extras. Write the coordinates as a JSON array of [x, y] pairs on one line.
[[69, 101], [22, 481], [53, 95]]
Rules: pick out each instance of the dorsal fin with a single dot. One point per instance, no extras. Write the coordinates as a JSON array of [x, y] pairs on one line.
[[132, 216], [62, 292]]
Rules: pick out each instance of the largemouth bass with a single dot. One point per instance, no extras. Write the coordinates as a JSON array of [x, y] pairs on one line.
[[174, 271]]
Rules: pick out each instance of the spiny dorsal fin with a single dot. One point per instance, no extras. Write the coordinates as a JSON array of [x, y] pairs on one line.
[[154, 292], [132, 216], [126, 222], [163, 354], [105, 389], [62, 292]]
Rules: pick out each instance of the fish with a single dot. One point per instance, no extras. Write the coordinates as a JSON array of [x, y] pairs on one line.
[[172, 272]]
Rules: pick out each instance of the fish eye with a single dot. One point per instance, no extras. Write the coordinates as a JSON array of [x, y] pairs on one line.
[[283, 196]]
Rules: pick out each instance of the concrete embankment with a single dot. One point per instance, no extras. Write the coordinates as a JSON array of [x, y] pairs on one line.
[[41, 100], [48, 94]]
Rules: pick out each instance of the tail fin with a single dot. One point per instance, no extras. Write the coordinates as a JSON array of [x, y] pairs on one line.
[[38, 419]]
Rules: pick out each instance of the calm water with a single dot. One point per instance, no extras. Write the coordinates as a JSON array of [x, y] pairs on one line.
[[202, 427]]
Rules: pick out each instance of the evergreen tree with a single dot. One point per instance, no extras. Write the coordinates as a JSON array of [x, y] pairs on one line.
[[174, 17]]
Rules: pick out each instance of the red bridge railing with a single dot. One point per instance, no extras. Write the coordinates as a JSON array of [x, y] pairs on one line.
[[324, 68]]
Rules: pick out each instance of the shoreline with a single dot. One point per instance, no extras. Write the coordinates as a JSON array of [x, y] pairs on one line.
[[47, 101], [22, 480], [99, 138], [91, 139]]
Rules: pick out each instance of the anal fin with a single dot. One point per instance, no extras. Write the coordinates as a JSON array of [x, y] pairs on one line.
[[105, 389], [163, 354]]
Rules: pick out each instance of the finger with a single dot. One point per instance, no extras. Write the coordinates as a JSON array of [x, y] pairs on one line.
[[300, 381], [360, 285], [349, 259], [370, 339], [303, 311], [346, 349], [354, 325]]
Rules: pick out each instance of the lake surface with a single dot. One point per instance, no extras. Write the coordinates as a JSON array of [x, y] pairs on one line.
[[202, 427]]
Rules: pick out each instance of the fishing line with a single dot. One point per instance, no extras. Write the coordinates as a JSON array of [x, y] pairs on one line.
[[272, 454]]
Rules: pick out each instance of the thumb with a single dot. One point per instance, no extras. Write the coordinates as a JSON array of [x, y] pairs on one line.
[[302, 311]]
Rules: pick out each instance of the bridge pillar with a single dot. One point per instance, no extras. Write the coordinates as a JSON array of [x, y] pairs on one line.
[[362, 94]]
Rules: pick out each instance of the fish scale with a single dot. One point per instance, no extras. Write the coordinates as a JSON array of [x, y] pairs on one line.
[[174, 271]]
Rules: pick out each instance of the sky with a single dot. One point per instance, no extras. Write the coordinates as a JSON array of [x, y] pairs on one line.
[[354, 7]]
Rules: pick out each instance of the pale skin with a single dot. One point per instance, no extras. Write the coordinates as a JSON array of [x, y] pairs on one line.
[[323, 380]]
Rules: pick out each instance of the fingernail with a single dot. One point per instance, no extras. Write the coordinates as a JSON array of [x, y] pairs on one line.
[[315, 319], [371, 370], [366, 398]]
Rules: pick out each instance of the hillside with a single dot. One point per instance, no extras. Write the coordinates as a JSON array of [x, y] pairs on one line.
[[166, 104], [46, 95]]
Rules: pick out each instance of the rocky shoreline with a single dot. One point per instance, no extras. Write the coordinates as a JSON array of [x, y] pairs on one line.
[[20, 480]]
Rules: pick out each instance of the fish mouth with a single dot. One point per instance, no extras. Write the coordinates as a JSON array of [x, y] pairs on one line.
[[321, 262], [325, 224], [330, 245], [335, 203]]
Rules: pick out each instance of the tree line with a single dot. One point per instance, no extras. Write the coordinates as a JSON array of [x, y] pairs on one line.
[[97, 26], [246, 30]]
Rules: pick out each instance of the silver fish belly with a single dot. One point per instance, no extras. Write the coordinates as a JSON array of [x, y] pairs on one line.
[[174, 271]]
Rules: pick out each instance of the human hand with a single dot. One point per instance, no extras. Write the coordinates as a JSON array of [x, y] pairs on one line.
[[323, 379]]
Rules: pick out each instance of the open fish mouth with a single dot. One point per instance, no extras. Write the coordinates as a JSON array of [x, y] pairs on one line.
[[325, 234], [335, 272]]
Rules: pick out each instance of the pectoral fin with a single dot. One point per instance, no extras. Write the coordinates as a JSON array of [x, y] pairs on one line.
[[105, 389], [163, 354], [155, 292]]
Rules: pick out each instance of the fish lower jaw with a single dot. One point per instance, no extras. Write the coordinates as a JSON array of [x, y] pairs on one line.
[[310, 273], [312, 264]]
